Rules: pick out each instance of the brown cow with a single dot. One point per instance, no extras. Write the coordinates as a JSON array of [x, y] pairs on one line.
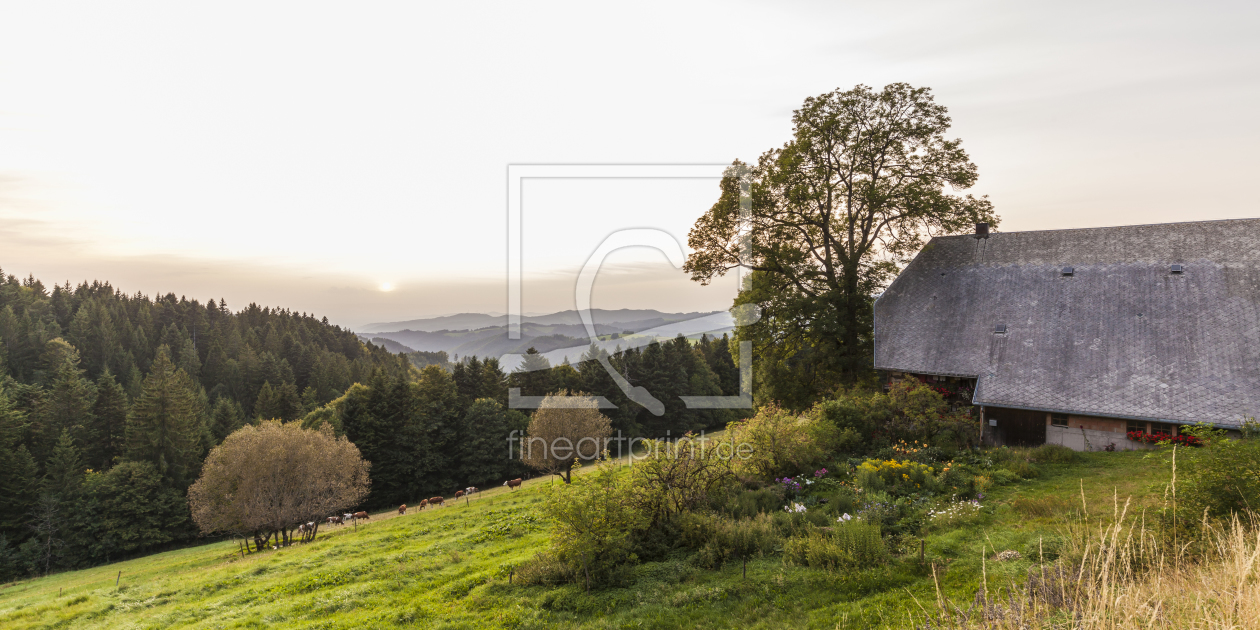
[[362, 515], [459, 493], [402, 509], [423, 504], [334, 520], [513, 484], [435, 501]]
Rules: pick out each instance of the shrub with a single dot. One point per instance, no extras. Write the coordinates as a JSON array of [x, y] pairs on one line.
[[909, 411], [781, 443], [896, 477], [851, 545], [593, 520], [677, 477], [1223, 478]]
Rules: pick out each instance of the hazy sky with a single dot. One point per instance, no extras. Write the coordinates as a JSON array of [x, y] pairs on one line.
[[307, 155]]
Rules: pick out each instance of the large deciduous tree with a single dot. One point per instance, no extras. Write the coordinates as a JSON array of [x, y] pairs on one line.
[[270, 478], [825, 221]]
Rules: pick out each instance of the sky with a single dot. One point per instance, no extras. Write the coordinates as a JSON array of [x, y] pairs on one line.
[[350, 160]]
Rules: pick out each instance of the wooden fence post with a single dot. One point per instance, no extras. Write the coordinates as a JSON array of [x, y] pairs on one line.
[[117, 578]]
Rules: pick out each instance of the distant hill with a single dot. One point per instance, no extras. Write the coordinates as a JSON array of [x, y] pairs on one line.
[[474, 321], [391, 345], [559, 335]]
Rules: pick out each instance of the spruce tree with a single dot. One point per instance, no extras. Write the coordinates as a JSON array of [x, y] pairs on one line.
[[67, 401], [226, 416], [107, 432], [164, 426], [64, 469], [18, 480]]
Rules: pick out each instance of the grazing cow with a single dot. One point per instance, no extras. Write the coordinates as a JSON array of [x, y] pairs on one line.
[[459, 493], [471, 489], [436, 501], [513, 484], [362, 515], [402, 509], [423, 504], [346, 517], [334, 520]]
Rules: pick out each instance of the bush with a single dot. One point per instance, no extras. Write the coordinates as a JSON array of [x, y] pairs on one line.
[[677, 477], [1222, 479], [781, 442], [848, 546], [593, 521], [896, 477]]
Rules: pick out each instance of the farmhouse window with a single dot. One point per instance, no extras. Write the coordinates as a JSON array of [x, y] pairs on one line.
[[1136, 425], [1059, 419], [1160, 427]]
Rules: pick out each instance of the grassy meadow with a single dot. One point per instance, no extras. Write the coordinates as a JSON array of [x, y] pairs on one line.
[[449, 568]]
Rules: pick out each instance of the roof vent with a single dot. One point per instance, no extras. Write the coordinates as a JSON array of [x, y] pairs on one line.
[[1177, 269], [982, 230], [1067, 271], [1000, 329]]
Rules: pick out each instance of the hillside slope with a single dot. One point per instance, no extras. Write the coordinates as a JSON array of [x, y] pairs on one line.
[[450, 567]]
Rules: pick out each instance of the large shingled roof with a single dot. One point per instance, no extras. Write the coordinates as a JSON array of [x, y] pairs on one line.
[[1122, 337]]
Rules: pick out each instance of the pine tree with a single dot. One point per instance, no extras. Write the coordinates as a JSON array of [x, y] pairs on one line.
[[164, 427], [106, 434]]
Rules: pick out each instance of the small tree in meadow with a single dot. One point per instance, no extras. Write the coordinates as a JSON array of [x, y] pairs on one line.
[[268, 479], [563, 430]]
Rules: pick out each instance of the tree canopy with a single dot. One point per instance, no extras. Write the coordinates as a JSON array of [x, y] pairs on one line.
[[273, 477], [564, 430], [825, 221]]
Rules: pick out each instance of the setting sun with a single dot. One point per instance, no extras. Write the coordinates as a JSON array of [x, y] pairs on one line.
[[387, 286]]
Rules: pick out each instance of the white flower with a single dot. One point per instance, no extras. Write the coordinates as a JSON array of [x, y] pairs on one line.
[[845, 518], [796, 507]]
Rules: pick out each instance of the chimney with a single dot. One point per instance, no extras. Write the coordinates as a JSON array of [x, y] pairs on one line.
[[982, 230]]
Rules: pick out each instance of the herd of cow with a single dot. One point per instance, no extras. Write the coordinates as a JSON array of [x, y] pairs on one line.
[[402, 509]]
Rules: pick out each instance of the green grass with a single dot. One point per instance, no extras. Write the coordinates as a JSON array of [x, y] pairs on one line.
[[448, 568]]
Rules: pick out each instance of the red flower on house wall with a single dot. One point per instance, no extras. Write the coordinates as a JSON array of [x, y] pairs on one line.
[[1155, 438]]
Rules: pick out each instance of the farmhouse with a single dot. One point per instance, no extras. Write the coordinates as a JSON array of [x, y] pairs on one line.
[[1078, 337]]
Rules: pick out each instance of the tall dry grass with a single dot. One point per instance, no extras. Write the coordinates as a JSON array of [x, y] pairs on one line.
[[1126, 575]]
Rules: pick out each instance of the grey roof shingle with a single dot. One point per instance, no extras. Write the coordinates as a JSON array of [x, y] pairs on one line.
[[1120, 337]]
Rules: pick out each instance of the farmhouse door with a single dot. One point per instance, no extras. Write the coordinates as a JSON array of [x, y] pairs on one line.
[[1016, 427]]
